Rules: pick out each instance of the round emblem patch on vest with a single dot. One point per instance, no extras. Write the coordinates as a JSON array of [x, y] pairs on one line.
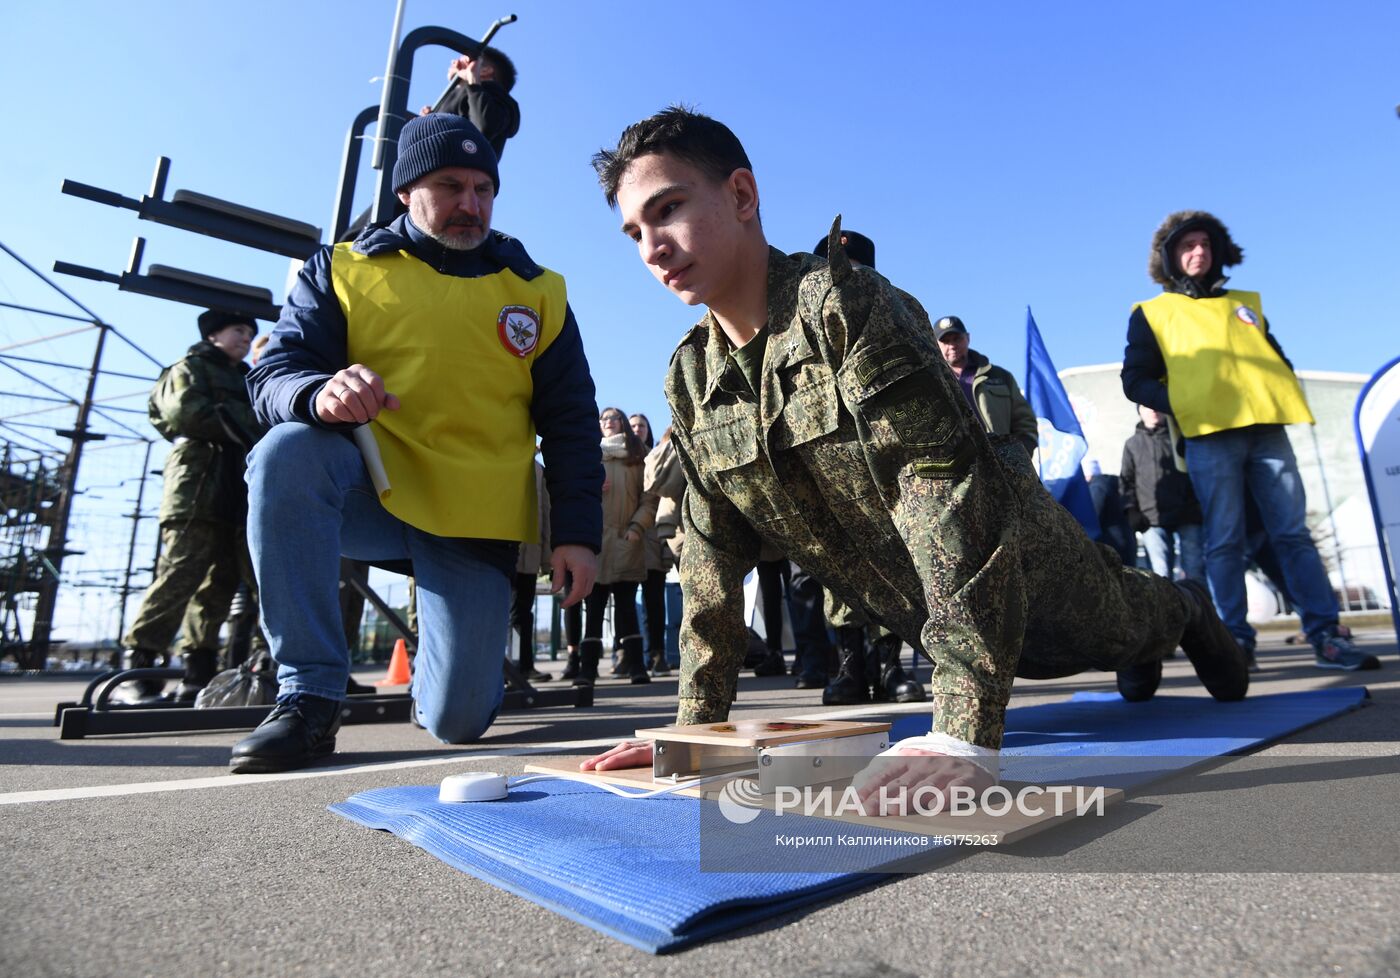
[[1246, 315], [519, 329]]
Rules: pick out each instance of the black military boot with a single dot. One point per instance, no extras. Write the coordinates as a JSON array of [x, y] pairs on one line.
[[590, 650], [299, 730], [773, 664], [143, 689], [891, 682], [1220, 663], [849, 687], [201, 665]]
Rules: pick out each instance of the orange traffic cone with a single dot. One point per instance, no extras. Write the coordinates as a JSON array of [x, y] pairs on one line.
[[398, 674]]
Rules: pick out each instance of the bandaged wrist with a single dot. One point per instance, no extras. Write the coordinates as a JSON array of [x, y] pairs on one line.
[[987, 758]]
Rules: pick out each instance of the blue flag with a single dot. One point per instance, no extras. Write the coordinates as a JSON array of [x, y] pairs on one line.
[[1062, 442]]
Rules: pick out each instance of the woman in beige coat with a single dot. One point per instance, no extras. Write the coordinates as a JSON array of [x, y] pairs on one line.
[[627, 514], [658, 563]]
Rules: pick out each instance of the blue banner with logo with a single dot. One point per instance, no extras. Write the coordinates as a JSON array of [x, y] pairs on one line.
[[1062, 441]]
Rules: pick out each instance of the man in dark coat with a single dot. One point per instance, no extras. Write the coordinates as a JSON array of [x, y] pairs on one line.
[[1158, 499]]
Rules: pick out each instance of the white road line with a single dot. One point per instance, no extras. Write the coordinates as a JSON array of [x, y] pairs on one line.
[[248, 780]]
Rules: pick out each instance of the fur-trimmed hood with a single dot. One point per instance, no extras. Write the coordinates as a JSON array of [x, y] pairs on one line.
[[1224, 251]]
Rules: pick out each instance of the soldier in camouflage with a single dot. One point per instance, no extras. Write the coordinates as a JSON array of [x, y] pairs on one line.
[[812, 409], [201, 404], [867, 671]]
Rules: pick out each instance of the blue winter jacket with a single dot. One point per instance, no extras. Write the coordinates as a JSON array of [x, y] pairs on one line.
[[308, 346]]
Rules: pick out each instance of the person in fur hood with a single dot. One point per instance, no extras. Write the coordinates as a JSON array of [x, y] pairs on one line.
[[1202, 353]]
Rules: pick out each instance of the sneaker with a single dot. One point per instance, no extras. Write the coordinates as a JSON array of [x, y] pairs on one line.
[[1220, 663], [299, 730], [1333, 651], [1138, 684]]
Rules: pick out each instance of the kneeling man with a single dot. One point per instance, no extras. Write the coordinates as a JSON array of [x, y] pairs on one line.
[[456, 349]]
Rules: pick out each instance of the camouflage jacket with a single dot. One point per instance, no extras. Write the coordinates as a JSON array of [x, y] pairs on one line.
[[201, 404], [860, 459]]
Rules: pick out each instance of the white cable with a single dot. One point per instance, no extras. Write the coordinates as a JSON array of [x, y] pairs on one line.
[[591, 779]]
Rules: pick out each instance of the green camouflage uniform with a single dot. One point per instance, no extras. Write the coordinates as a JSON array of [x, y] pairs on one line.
[[861, 459], [839, 614], [201, 404]]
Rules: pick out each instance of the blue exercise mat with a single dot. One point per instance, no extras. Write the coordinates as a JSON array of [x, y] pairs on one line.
[[632, 869]]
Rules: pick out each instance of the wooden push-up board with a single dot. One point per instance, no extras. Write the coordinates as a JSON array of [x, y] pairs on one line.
[[1011, 827], [761, 733]]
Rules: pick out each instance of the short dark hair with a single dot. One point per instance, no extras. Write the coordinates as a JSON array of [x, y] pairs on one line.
[[505, 68], [697, 139]]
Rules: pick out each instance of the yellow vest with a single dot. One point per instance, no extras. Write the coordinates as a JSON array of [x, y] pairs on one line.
[[459, 453], [1222, 372]]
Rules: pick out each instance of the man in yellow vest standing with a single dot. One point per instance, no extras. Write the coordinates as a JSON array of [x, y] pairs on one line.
[[454, 350], [1203, 354]]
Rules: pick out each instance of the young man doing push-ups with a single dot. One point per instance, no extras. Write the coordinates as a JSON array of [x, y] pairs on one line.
[[813, 410]]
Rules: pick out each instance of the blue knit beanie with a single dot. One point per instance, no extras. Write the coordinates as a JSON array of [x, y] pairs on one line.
[[440, 139]]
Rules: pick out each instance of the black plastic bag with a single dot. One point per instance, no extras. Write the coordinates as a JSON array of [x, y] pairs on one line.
[[254, 683]]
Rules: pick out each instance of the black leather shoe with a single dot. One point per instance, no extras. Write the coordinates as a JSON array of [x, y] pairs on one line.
[[353, 688], [773, 664], [296, 732], [1220, 663], [1138, 684], [810, 680]]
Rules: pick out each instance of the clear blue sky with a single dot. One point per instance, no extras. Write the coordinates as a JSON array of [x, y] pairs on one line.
[[999, 154]]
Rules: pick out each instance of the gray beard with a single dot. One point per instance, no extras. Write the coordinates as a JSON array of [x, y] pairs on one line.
[[456, 243]]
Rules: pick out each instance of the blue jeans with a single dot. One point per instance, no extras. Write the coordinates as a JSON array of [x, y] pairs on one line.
[[1258, 459], [309, 502], [1168, 548]]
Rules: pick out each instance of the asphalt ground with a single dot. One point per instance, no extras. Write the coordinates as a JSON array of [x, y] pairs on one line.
[[1280, 864]]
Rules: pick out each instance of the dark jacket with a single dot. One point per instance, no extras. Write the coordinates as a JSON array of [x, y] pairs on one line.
[[489, 107], [308, 346], [201, 404], [999, 401], [1151, 485], [1144, 368]]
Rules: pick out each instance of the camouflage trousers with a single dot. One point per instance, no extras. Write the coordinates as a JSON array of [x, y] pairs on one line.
[[1047, 597], [201, 565], [841, 615]]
